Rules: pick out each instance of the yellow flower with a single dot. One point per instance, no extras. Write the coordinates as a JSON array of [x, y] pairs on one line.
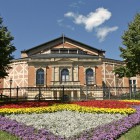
[[70, 107]]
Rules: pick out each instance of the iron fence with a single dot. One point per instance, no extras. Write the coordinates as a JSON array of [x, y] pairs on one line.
[[67, 93], [121, 93]]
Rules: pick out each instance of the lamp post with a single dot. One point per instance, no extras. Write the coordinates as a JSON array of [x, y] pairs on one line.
[[10, 86]]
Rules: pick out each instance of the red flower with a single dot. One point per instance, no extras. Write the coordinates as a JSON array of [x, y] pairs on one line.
[[28, 104], [104, 104]]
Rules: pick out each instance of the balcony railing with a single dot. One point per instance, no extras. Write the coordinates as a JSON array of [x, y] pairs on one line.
[[57, 83]]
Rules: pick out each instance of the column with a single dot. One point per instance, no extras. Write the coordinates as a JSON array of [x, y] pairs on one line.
[[94, 75], [72, 95], [58, 94], [54, 74], [72, 73], [52, 96], [78, 94], [77, 77]]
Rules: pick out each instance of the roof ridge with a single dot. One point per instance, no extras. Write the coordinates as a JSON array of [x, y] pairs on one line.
[[63, 37]]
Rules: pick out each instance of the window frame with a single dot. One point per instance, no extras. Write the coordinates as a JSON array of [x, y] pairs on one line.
[[40, 79], [90, 76], [65, 77]]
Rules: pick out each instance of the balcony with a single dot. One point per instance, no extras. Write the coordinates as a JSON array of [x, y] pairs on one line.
[[68, 83]]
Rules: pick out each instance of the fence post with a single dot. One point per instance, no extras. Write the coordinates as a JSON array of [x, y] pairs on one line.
[[39, 93], [1, 96], [86, 91], [17, 92], [109, 93], [130, 89], [63, 93], [134, 91]]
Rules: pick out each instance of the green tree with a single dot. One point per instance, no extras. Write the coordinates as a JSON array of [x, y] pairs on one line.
[[131, 50], [6, 49]]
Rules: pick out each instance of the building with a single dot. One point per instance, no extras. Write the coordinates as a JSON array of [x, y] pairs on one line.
[[64, 62]]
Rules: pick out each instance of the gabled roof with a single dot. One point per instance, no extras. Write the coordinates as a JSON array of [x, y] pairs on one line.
[[112, 60], [63, 39]]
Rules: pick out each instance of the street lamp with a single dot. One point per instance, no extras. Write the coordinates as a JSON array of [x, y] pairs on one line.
[[10, 86]]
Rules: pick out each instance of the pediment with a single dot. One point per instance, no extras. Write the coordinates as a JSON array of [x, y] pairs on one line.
[[62, 45]]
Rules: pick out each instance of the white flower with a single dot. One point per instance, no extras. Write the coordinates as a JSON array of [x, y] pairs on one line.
[[65, 123]]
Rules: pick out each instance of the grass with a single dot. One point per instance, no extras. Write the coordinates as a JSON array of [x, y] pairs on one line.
[[132, 134], [7, 136]]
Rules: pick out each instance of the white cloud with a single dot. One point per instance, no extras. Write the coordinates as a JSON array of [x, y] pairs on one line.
[[92, 20], [60, 23], [76, 4], [103, 32], [69, 14]]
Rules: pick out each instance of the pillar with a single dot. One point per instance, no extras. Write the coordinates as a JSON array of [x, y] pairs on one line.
[[72, 95], [52, 96], [78, 94], [58, 94]]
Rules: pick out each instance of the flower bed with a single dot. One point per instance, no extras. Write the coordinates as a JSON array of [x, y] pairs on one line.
[[28, 104], [75, 121], [113, 130], [69, 107], [65, 120], [93, 103], [108, 103], [25, 132], [131, 102], [102, 104]]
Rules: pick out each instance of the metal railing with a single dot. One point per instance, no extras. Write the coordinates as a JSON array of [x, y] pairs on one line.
[[58, 83], [66, 92]]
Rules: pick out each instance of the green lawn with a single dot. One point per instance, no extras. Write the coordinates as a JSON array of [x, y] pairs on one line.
[[133, 134], [6, 136]]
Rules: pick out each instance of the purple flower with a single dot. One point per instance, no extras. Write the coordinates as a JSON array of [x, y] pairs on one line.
[[113, 130], [109, 131], [25, 132]]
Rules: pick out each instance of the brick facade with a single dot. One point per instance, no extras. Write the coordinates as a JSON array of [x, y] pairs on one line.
[[81, 75], [48, 76], [98, 75]]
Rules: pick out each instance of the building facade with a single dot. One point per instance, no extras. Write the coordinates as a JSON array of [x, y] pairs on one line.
[[65, 62]]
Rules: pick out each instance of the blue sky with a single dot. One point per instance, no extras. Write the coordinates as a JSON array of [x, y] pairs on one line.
[[98, 23]]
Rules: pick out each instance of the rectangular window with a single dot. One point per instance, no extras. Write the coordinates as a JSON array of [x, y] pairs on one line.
[[73, 51], [67, 77], [64, 51], [55, 51]]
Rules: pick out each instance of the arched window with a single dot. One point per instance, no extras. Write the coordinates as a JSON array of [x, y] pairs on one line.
[[40, 77], [89, 76], [65, 75]]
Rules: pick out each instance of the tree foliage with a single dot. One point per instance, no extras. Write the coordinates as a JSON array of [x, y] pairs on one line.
[[131, 50], [6, 49]]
